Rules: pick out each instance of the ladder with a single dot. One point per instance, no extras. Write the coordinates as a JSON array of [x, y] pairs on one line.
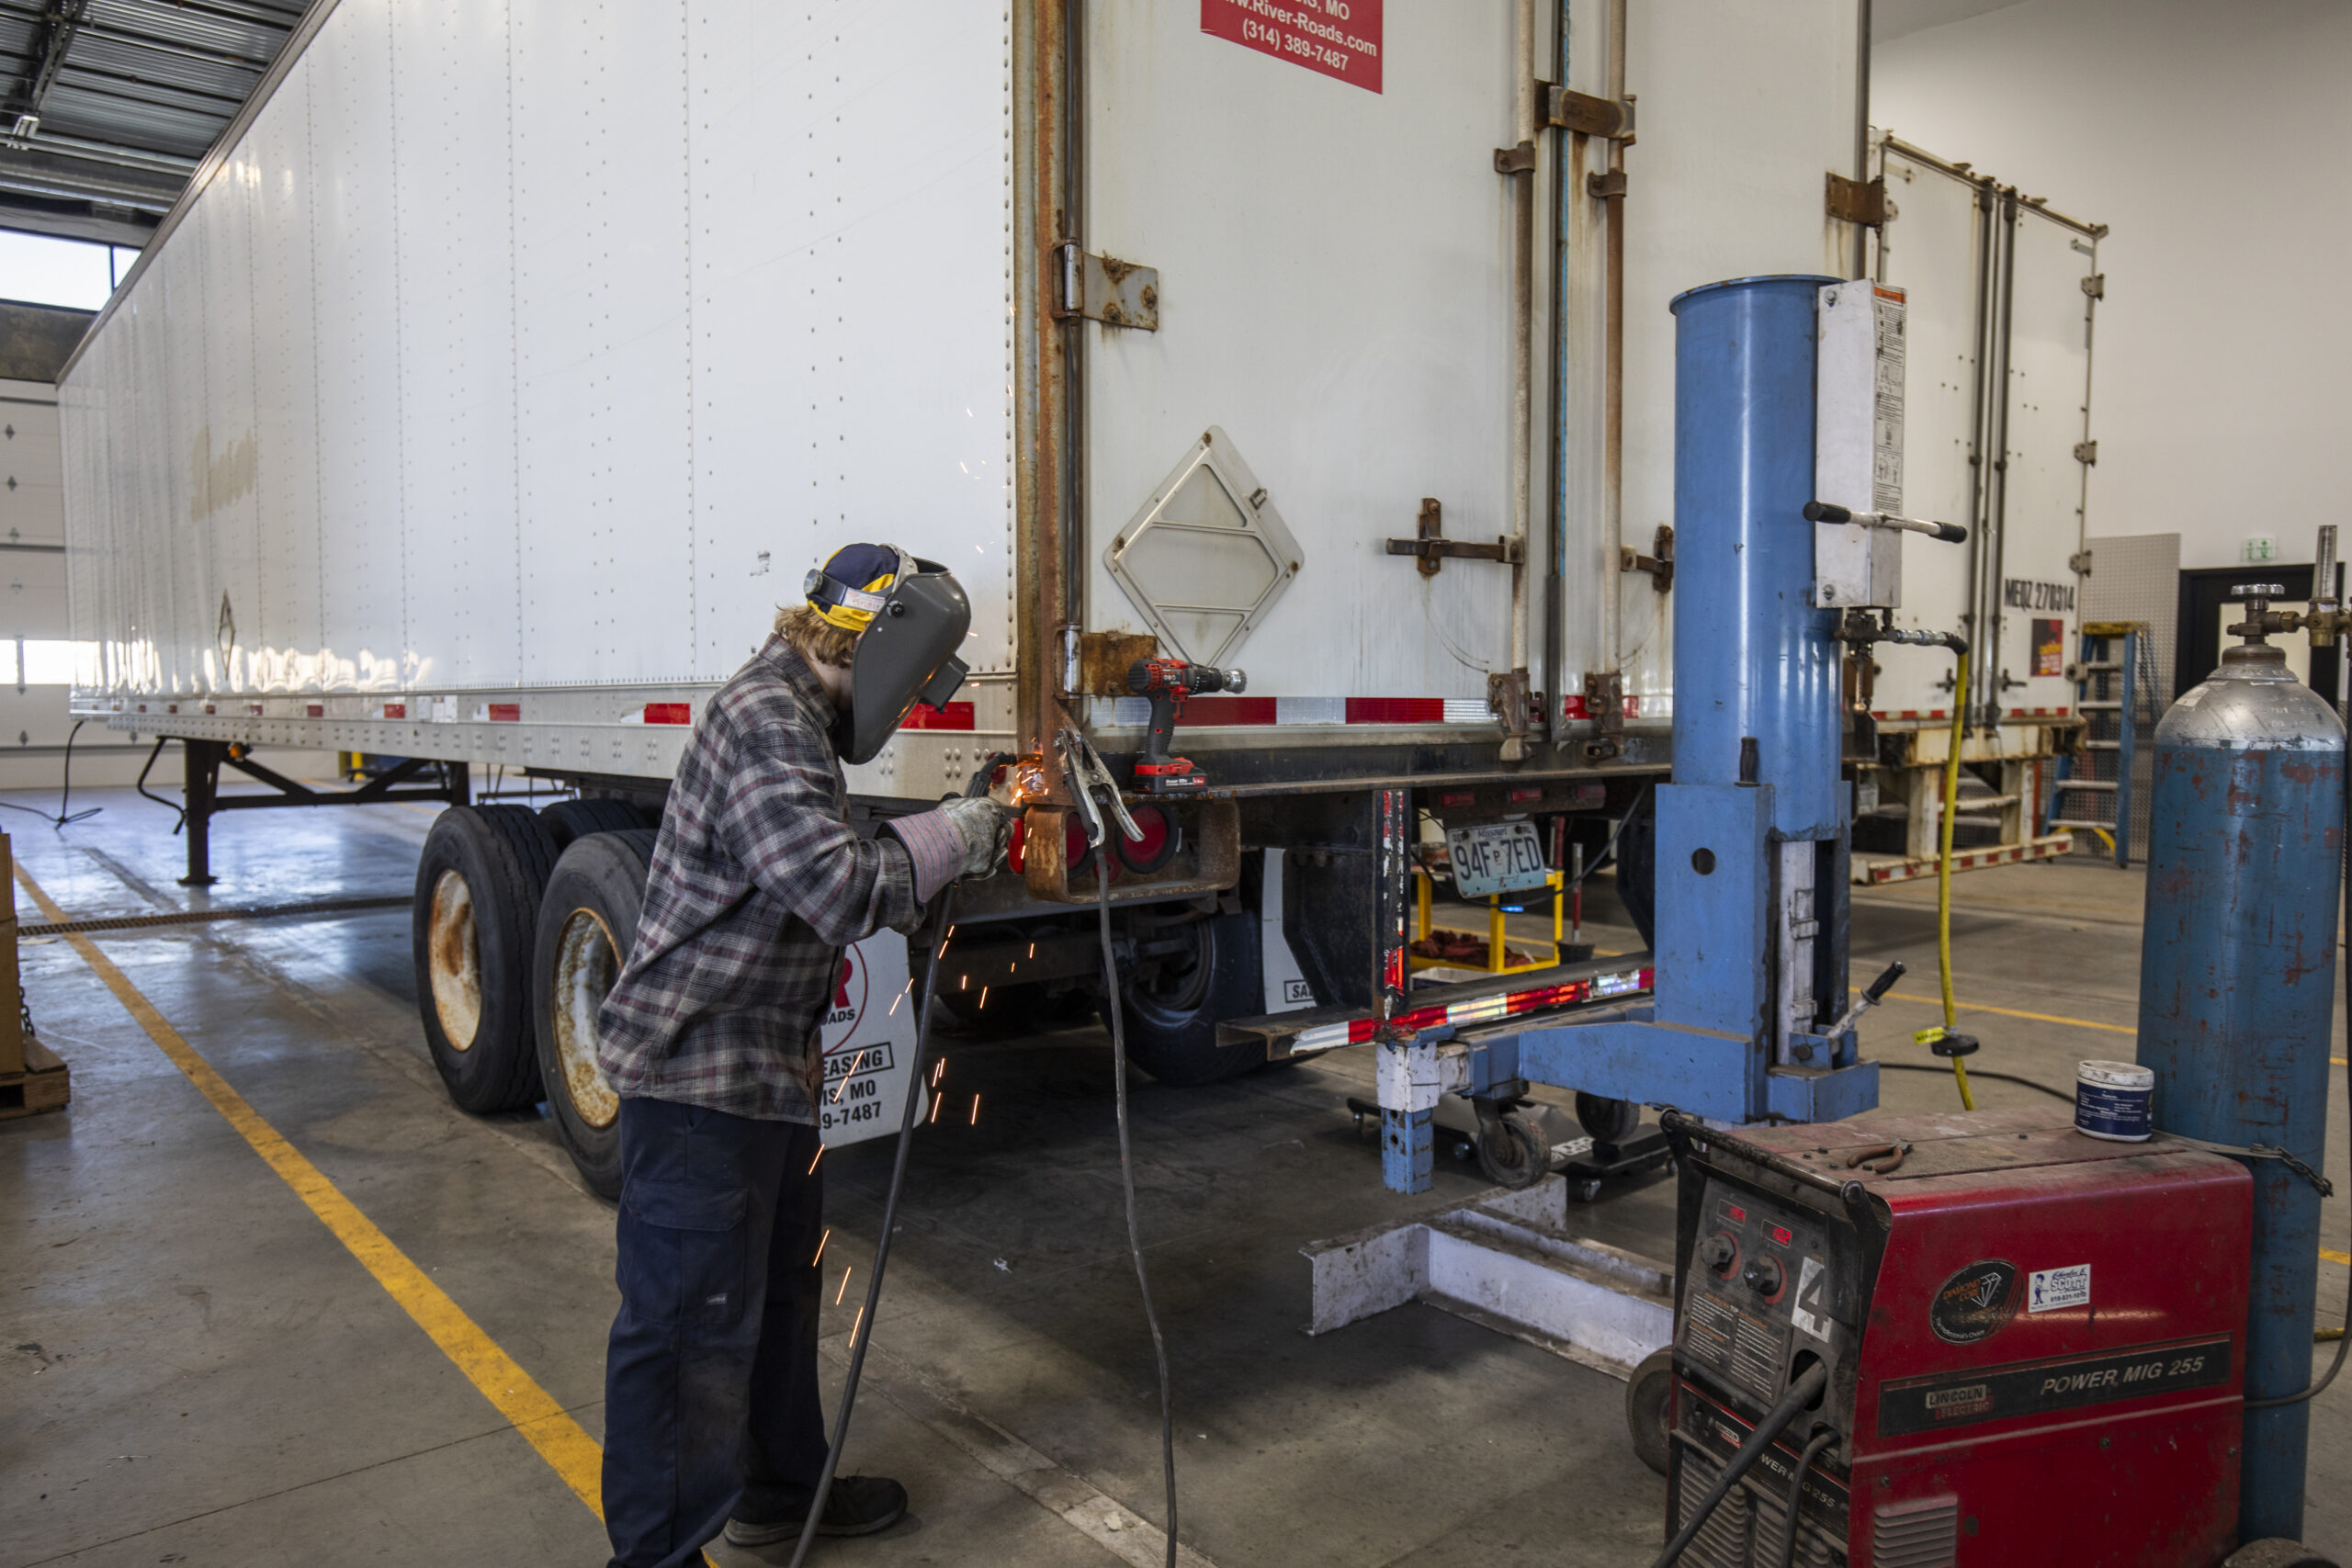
[[2093, 789]]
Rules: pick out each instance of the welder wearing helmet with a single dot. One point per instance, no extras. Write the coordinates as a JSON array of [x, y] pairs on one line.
[[712, 1419]]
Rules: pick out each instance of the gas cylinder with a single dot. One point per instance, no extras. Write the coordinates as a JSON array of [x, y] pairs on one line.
[[2237, 974]]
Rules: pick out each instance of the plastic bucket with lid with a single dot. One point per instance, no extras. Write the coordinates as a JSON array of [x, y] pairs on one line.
[[2112, 1100]]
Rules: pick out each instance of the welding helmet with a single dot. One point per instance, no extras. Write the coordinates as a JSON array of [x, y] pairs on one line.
[[912, 616]]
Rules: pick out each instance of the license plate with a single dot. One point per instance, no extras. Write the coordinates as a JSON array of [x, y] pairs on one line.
[[1496, 857]]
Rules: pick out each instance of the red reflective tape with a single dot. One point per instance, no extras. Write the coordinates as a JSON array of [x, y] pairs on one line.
[[669, 713], [1359, 1029], [1230, 710], [1396, 710], [506, 713], [955, 715], [1457, 798], [1525, 793], [395, 710], [315, 710]]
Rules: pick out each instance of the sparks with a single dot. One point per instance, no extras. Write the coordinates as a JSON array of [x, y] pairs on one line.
[[938, 1071], [820, 1155], [1033, 950], [894, 1004], [935, 1103], [984, 995], [856, 1326], [976, 1111], [821, 1247], [844, 1288]]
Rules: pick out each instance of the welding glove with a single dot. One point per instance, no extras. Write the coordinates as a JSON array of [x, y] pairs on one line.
[[985, 828]]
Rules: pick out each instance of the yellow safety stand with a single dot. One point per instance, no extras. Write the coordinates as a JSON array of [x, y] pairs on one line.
[[1424, 887]]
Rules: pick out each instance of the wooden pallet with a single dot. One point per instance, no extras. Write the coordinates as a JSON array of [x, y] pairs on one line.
[[46, 1084]]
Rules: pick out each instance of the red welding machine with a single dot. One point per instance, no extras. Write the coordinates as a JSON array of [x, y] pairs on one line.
[[2027, 1344]]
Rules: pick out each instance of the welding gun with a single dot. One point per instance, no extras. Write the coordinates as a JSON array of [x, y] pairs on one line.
[[1168, 682]]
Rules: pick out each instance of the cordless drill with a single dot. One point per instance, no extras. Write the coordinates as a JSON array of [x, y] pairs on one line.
[[1168, 683]]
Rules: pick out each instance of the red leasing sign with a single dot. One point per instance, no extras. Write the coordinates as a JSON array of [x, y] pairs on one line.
[[1338, 38]]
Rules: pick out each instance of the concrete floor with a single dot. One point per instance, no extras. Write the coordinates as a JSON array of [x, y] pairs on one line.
[[198, 1373]]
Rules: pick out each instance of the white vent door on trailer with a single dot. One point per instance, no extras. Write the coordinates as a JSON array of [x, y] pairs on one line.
[[1934, 249], [2044, 482]]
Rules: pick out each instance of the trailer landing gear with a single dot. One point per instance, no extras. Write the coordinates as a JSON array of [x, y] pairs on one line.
[[202, 790]]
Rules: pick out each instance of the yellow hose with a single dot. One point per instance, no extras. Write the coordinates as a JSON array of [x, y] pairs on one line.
[[1943, 873]]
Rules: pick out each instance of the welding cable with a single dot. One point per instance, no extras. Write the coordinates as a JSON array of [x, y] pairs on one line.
[[935, 940], [65, 816], [1609, 845], [2065, 1094], [1943, 870], [1801, 1393], [1784, 1553], [1127, 1185]]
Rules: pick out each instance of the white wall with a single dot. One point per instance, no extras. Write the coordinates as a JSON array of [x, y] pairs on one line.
[[2209, 137]]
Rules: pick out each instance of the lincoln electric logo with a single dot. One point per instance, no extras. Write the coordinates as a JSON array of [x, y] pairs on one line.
[[1975, 1301]]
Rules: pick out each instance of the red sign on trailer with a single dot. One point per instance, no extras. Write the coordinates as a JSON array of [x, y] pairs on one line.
[[1338, 38]]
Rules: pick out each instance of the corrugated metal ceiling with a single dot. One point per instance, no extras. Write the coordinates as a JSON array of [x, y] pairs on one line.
[[107, 106]]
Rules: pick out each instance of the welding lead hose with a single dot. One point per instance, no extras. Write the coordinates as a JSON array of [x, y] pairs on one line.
[[863, 1335], [1943, 871], [1784, 1552], [1801, 1393], [1128, 1186]]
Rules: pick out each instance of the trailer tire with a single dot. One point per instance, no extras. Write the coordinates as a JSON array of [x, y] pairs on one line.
[[587, 924], [1172, 1024], [570, 820], [478, 887]]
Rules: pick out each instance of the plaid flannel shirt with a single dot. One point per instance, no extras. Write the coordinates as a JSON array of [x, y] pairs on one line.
[[757, 884]]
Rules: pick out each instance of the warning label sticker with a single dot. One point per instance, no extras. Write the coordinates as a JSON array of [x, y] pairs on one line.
[[1808, 1311], [1338, 38]]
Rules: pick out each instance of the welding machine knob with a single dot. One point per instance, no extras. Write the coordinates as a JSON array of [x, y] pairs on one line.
[[1718, 1252], [1765, 1276]]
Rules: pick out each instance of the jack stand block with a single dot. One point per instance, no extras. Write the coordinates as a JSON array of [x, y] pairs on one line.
[[1413, 1075]]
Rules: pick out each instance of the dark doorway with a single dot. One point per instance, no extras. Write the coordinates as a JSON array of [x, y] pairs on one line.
[[2203, 593]]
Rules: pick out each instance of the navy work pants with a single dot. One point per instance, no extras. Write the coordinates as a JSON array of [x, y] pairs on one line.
[[711, 1403]]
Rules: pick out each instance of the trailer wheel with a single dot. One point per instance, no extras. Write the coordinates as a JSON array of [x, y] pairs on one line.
[[587, 922], [570, 820], [1649, 1397], [478, 889], [1172, 1010]]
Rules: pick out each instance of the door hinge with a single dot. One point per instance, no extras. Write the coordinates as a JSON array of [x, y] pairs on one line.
[[1106, 289], [1519, 160], [1854, 202], [1660, 564], [2086, 452], [1606, 186], [2096, 286], [1565, 108], [2079, 563], [1430, 543]]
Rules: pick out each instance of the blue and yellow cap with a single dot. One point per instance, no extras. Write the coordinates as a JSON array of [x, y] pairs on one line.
[[848, 591]]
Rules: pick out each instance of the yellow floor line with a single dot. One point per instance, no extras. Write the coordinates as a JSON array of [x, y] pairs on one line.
[[560, 1440], [2335, 1256], [2012, 1012]]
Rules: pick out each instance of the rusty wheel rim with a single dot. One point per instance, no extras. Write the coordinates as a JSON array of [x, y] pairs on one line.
[[453, 961], [587, 962]]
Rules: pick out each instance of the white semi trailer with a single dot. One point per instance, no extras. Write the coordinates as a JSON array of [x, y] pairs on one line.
[[511, 359]]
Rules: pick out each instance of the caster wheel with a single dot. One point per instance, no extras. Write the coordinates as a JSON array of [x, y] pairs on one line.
[[1649, 1396], [1511, 1152], [1609, 1121], [2275, 1553]]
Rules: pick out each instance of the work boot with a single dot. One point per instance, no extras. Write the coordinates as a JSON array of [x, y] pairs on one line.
[[858, 1505]]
